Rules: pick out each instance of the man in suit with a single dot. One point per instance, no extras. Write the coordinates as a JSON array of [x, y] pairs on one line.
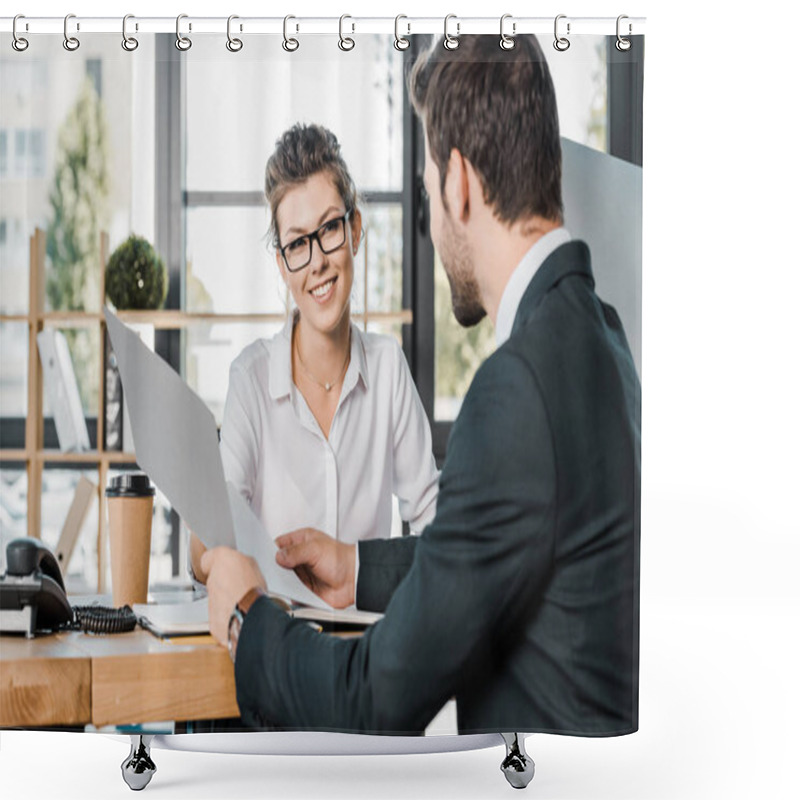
[[521, 598]]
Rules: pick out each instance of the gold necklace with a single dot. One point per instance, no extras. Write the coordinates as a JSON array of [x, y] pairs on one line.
[[326, 385]]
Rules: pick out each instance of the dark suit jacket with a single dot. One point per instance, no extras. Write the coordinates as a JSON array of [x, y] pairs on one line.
[[521, 598]]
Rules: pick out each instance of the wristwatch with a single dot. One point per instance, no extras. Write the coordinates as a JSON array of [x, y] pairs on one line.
[[237, 618]]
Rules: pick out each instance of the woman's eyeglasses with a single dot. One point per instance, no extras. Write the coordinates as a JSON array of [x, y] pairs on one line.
[[329, 236]]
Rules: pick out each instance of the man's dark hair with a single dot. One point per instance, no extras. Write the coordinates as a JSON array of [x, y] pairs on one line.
[[303, 151], [498, 108]]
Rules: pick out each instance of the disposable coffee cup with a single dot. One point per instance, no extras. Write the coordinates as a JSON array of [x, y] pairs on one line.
[[130, 517]]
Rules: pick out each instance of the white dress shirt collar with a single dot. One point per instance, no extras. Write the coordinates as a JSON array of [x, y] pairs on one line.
[[280, 378], [522, 276]]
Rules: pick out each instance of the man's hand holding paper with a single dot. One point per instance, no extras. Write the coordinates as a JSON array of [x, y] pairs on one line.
[[324, 565]]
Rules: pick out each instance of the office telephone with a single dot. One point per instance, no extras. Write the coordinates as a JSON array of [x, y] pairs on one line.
[[32, 593], [33, 598]]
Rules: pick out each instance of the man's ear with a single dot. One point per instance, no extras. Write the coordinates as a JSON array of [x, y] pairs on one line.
[[457, 186]]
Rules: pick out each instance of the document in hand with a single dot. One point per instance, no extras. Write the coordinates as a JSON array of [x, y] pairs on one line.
[[175, 438]]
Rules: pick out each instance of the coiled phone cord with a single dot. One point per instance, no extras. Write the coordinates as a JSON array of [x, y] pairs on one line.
[[101, 619]]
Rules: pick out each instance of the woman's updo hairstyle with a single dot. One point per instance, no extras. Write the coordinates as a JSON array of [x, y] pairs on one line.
[[303, 151]]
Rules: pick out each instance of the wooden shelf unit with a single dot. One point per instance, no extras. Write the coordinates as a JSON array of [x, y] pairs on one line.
[[34, 456]]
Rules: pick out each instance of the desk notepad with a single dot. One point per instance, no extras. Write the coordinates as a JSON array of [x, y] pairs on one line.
[[191, 618], [174, 619]]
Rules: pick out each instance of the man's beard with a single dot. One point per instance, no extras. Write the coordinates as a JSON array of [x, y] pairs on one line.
[[460, 270]]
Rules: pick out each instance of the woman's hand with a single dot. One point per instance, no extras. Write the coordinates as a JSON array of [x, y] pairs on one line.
[[326, 566]]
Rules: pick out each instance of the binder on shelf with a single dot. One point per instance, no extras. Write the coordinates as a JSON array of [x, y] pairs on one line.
[[62, 391]]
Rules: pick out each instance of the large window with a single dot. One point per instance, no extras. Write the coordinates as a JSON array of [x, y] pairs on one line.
[[599, 95], [52, 119], [580, 76], [58, 119], [235, 110]]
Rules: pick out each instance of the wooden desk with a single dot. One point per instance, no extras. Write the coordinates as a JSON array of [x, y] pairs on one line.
[[120, 679]]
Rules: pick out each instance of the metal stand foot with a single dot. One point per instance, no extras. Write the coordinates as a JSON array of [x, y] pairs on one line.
[[518, 766], [138, 768]]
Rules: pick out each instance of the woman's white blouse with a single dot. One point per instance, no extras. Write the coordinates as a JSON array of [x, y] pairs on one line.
[[275, 454]]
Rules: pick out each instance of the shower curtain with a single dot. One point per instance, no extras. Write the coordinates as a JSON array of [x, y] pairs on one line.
[[537, 536]]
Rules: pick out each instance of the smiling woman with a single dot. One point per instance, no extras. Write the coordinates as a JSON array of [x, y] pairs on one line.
[[318, 269], [322, 422], [317, 241]]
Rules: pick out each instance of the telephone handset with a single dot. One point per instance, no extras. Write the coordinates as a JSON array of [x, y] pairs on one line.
[[33, 598], [32, 594]]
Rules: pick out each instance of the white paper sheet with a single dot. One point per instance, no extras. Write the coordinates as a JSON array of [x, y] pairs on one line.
[[175, 437], [253, 540], [176, 443]]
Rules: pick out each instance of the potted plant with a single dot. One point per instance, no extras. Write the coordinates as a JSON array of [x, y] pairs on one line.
[[135, 276]]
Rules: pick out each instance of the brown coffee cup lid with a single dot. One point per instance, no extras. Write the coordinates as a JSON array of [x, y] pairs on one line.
[[130, 484]]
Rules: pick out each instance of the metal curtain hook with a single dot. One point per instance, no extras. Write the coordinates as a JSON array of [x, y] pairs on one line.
[[622, 44], [18, 42], [345, 42], [507, 42], [233, 44], [400, 42], [561, 43], [70, 42], [129, 43], [451, 42], [183, 43], [289, 44]]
